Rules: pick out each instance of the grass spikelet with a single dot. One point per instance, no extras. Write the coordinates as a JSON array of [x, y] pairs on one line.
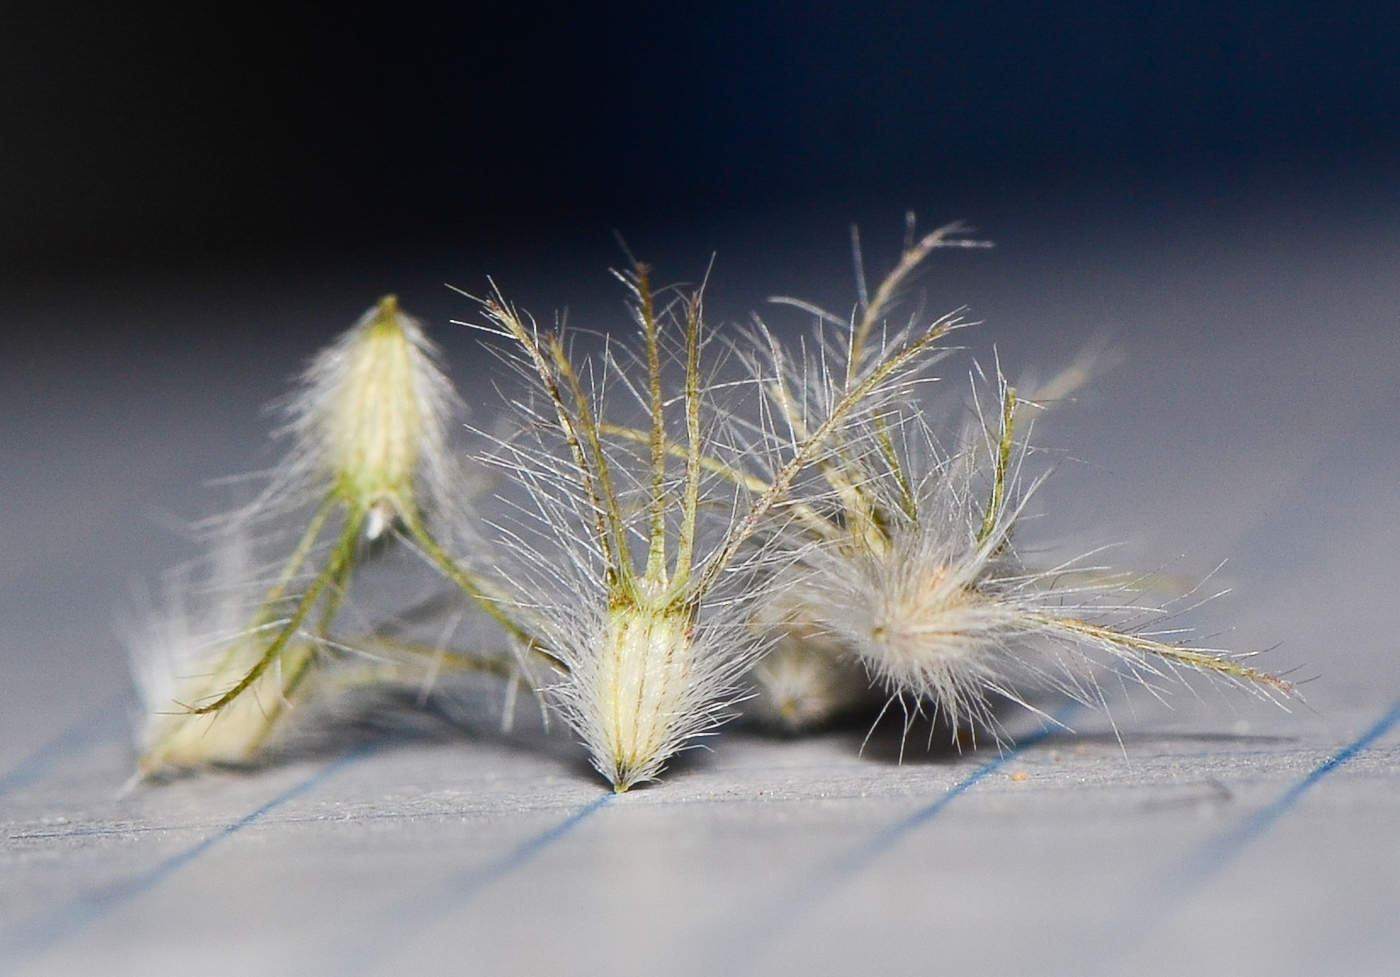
[[195, 644], [368, 433], [806, 678], [913, 569], [944, 613], [646, 603], [613, 566]]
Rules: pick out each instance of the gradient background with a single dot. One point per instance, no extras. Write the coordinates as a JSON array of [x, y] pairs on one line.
[[192, 200]]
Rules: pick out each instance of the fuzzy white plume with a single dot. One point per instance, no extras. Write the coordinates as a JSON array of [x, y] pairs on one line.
[[944, 614], [641, 598], [371, 419], [192, 646], [907, 557]]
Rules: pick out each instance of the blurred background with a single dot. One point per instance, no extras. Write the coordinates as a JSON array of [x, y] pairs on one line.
[[194, 198], [155, 135]]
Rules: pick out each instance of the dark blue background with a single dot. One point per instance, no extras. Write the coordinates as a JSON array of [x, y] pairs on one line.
[[150, 133]]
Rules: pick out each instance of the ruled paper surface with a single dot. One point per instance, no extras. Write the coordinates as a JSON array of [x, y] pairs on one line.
[[1256, 418]]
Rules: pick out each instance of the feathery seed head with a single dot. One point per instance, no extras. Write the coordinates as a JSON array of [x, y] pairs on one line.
[[945, 614], [192, 649], [807, 677], [799, 686], [915, 616], [373, 416], [641, 683], [644, 597], [181, 740]]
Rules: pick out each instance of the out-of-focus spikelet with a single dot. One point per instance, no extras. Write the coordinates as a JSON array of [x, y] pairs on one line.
[[909, 564], [368, 451]]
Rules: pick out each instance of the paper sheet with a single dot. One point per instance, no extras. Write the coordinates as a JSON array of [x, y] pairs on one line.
[[1255, 418]]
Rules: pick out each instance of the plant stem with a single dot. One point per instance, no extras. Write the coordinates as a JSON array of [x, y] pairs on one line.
[[343, 553]]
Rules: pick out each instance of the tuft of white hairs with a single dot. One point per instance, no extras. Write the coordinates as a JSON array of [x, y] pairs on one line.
[[806, 678], [371, 418], [947, 617], [192, 643], [368, 452], [644, 548], [906, 560]]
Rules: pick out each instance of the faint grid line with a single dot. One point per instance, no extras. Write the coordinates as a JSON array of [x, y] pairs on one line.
[[23, 944], [1162, 901], [396, 928], [82, 736], [1218, 853], [754, 938]]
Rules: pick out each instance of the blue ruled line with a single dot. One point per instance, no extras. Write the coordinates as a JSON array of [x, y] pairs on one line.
[[1158, 904], [374, 945], [471, 883], [753, 939], [22, 944], [1217, 854], [78, 739]]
